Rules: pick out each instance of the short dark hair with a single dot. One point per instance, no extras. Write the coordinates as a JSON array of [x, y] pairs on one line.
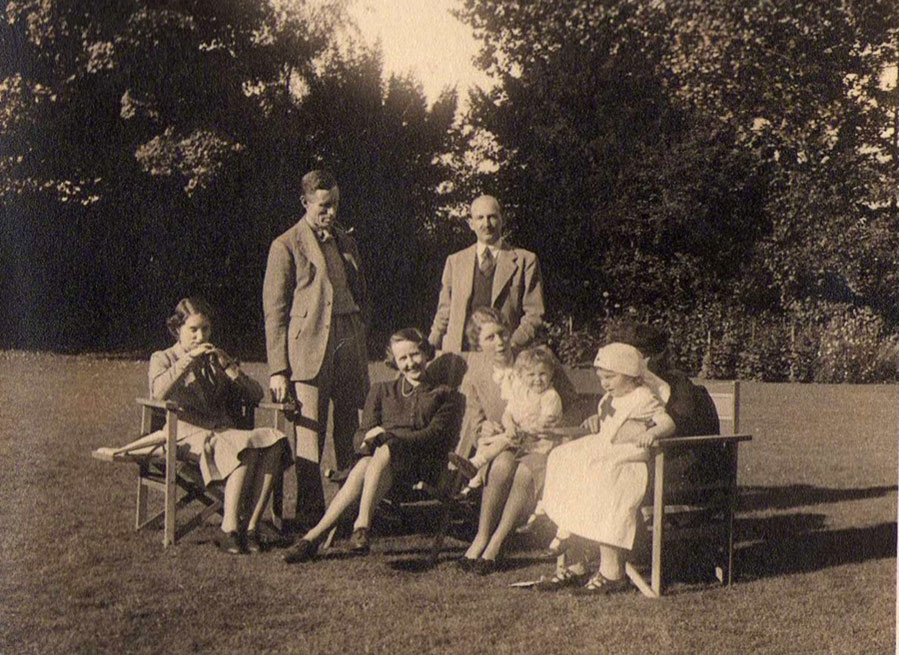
[[186, 308], [479, 318], [648, 339], [414, 335], [318, 179]]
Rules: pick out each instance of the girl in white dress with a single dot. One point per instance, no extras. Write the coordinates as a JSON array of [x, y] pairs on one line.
[[594, 485]]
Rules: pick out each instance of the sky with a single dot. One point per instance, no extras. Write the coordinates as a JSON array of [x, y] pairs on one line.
[[422, 37]]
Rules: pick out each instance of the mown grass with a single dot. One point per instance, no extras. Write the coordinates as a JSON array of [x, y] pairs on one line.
[[816, 558]]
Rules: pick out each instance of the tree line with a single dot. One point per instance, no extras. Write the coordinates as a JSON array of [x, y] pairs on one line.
[[726, 169]]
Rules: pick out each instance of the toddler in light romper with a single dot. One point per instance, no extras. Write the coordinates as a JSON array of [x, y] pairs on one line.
[[532, 406]]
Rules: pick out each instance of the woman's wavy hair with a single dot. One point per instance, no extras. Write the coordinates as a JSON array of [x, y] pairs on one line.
[[407, 334], [186, 308], [478, 319]]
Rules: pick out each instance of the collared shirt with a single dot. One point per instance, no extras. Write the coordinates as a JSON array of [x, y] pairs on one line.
[[494, 250], [322, 234]]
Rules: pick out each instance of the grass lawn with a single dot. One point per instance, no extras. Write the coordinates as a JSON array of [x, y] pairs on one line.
[[815, 564]]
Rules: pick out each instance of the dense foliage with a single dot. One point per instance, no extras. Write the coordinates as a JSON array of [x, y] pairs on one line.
[[727, 169], [150, 150]]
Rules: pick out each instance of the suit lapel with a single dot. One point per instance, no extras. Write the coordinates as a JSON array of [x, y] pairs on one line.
[[344, 245], [308, 245], [464, 274], [506, 264]]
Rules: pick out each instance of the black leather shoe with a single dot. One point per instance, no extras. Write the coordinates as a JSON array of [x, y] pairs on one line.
[[599, 585], [229, 542], [485, 566], [302, 551], [466, 564], [359, 542], [253, 543]]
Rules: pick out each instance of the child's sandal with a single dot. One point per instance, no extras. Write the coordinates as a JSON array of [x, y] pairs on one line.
[[561, 578], [599, 585], [529, 525], [556, 547]]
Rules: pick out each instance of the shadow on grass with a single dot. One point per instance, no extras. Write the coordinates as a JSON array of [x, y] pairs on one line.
[[798, 495], [422, 564], [797, 543], [412, 565]]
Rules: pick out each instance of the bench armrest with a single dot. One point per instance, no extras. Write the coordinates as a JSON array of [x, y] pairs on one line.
[[168, 405], [289, 406], [700, 440]]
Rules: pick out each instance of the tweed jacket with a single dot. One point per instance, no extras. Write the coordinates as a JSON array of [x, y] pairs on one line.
[[297, 299], [517, 293]]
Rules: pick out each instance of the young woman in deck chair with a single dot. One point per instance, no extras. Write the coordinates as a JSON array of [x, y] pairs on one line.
[[203, 380]]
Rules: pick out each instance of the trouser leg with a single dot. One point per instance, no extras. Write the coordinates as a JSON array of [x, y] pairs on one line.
[[310, 430], [347, 381]]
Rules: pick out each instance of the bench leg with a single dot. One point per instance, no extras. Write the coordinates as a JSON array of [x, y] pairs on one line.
[[140, 517], [724, 571], [658, 519], [639, 581], [447, 502], [169, 535]]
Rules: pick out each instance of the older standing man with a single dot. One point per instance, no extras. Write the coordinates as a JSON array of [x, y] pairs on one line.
[[489, 273], [316, 307]]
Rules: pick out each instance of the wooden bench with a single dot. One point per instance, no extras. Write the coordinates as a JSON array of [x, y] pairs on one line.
[[700, 507]]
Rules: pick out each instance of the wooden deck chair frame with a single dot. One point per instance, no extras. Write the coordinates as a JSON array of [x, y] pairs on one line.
[[727, 402], [449, 485], [162, 468]]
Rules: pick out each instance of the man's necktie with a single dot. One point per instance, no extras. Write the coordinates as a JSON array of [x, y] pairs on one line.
[[487, 262]]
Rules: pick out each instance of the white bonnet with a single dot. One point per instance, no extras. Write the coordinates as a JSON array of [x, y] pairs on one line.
[[620, 358]]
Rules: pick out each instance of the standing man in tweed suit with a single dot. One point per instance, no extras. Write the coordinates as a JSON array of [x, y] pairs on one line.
[[316, 310], [489, 273]]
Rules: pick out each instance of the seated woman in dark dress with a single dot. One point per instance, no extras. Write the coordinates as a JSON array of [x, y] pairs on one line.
[[407, 426]]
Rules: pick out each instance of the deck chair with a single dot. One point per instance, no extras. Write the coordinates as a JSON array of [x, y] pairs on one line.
[[700, 505], [165, 467], [446, 494]]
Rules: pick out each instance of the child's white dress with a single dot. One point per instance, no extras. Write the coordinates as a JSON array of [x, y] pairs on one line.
[[594, 486]]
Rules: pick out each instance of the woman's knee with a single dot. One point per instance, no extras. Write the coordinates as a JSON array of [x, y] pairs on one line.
[[360, 467], [502, 467], [381, 457], [523, 478], [524, 485]]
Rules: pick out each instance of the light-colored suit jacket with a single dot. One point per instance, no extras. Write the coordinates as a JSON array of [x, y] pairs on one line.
[[297, 298], [517, 294]]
